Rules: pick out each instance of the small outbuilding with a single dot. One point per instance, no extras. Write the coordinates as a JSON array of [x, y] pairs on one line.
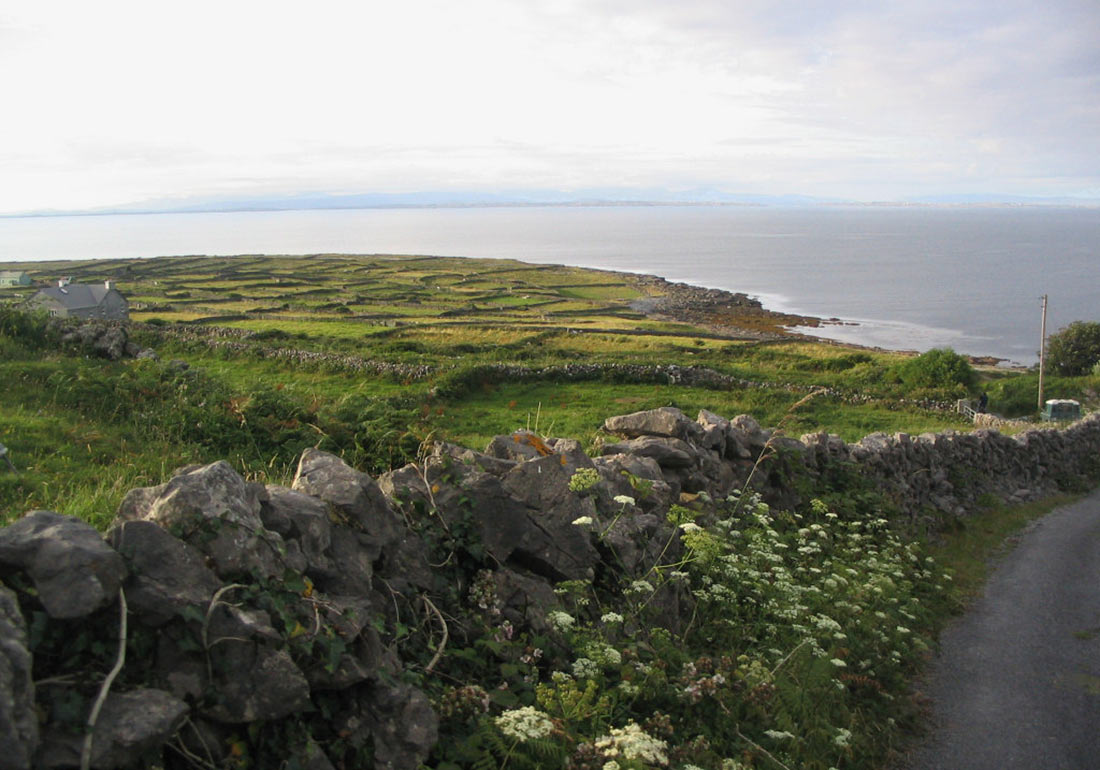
[[16, 278], [81, 300]]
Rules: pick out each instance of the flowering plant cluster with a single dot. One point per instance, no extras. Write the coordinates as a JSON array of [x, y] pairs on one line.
[[755, 638]]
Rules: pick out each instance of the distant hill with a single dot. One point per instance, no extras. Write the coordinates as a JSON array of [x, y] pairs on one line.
[[610, 196]]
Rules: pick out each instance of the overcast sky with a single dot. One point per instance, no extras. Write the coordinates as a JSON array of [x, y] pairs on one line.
[[113, 101]]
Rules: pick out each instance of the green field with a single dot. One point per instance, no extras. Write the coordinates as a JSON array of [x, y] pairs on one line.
[[405, 341]]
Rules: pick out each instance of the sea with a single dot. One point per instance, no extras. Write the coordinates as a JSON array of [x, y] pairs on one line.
[[896, 277]]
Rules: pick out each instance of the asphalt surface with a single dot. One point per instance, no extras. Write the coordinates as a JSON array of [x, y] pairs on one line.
[[1016, 683]]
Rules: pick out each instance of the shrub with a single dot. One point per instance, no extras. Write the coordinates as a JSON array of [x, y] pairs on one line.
[[1074, 349], [30, 329], [940, 369]]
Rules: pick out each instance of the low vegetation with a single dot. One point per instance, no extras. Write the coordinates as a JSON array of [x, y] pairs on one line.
[[809, 623]]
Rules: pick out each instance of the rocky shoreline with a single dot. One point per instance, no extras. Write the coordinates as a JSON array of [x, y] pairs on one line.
[[739, 316]]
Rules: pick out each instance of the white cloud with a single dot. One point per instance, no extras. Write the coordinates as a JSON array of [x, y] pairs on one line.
[[122, 100]]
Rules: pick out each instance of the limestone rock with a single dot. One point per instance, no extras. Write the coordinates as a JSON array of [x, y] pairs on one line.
[[18, 720], [667, 452], [404, 726], [255, 683], [130, 724], [667, 422], [300, 518], [354, 496], [74, 570], [216, 510], [168, 574]]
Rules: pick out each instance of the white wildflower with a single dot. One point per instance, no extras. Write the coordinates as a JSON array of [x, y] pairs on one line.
[[778, 735], [838, 663], [583, 521], [524, 724], [632, 742], [611, 617], [624, 499], [585, 668], [690, 526], [560, 621], [842, 737], [640, 587]]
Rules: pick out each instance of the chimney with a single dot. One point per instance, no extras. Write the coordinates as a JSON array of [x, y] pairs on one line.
[[108, 285], [63, 282]]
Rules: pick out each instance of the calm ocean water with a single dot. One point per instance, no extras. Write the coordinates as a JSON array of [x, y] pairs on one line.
[[909, 278]]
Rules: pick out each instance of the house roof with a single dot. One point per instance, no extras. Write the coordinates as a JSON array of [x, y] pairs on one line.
[[77, 295], [12, 273]]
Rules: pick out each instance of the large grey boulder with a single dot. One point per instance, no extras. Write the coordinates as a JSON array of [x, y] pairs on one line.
[[213, 508], [130, 725], [18, 719], [354, 498], [549, 544], [667, 421], [169, 575], [195, 497], [73, 569]]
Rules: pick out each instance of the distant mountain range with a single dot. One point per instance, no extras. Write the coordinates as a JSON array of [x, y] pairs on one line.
[[587, 197]]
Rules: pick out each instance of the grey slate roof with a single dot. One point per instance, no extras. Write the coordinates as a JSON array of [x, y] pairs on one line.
[[77, 295]]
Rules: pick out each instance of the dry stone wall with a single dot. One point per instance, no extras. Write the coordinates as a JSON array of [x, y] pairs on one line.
[[265, 607]]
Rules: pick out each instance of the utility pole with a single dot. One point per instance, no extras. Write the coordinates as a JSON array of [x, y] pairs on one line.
[[1042, 351]]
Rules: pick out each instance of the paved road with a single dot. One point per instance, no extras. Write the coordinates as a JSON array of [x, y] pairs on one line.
[[1017, 680]]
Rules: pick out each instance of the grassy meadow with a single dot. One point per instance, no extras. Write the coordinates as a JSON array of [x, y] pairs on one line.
[[370, 356]]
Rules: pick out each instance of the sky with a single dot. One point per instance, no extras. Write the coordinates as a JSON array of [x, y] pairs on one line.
[[114, 102]]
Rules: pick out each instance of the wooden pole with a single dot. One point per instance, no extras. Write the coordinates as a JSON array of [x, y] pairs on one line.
[[1042, 351]]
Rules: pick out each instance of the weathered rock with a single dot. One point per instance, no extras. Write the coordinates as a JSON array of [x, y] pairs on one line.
[[404, 726], [168, 574], [255, 683], [106, 340], [667, 452], [470, 458], [302, 518], [643, 477], [18, 720], [524, 599], [549, 545], [348, 567], [667, 422], [353, 495], [130, 724], [637, 540], [73, 569], [519, 445], [365, 657], [211, 500]]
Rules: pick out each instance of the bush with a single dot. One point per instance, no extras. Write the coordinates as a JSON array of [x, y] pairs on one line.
[[1074, 349], [30, 329], [940, 369]]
